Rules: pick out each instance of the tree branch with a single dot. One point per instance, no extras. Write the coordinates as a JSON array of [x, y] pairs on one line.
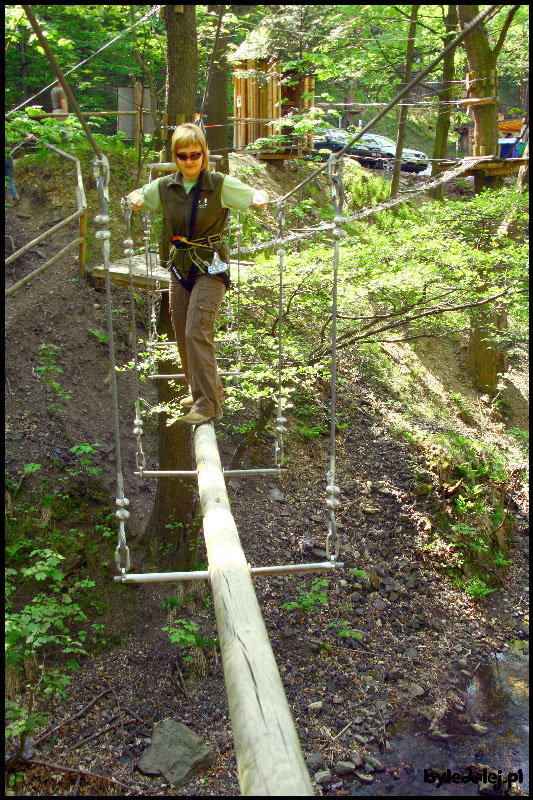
[[503, 32], [349, 337]]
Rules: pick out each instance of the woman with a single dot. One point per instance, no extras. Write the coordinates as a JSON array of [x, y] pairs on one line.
[[196, 203]]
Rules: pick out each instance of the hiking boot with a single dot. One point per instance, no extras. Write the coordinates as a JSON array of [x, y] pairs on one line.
[[187, 401], [195, 418]]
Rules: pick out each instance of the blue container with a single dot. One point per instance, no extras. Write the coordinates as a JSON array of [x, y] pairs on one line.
[[508, 147]]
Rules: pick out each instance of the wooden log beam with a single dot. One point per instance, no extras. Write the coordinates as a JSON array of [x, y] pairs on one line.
[[269, 757]]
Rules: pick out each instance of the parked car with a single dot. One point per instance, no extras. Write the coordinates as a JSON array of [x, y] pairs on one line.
[[335, 139], [412, 160]]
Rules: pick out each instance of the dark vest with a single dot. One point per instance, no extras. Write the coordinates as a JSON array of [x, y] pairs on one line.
[[211, 218]]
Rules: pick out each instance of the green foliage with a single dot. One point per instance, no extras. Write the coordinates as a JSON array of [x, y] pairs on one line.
[[309, 598], [100, 335], [30, 632], [344, 631], [85, 453], [477, 589], [47, 355], [185, 633]]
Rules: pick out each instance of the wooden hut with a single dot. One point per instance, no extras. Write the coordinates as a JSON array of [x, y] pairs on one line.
[[263, 94]]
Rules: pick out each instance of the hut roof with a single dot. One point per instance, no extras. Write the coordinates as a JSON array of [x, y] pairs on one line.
[[256, 45]]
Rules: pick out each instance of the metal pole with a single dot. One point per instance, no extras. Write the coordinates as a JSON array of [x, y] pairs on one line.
[[283, 569], [269, 757], [192, 473]]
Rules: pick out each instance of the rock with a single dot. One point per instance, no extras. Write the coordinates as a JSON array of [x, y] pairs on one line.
[[367, 509], [175, 752], [316, 706], [360, 739], [344, 768], [479, 728], [323, 776], [276, 494], [439, 736], [364, 778], [375, 763], [315, 761], [356, 758], [415, 690]]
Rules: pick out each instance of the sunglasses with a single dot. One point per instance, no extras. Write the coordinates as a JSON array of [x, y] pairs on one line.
[[187, 156]]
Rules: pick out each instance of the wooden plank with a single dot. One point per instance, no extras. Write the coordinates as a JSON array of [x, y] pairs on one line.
[[119, 273], [269, 757], [478, 101]]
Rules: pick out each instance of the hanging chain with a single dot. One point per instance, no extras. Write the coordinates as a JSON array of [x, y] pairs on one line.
[[140, 459], [101, 174], [333, 542], [230, 316], [280, 419], [239, 231], [152, 319]]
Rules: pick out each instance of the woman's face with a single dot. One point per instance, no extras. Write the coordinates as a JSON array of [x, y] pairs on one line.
[[190, 169]]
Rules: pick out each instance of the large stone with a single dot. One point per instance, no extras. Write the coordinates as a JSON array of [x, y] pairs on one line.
[[175, 752]]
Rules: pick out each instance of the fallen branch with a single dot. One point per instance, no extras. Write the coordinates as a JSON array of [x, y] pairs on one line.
[[77, 772], [84, 710]]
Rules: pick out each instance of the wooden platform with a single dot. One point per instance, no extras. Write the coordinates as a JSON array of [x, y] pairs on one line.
[[119, 273], [496, 166]]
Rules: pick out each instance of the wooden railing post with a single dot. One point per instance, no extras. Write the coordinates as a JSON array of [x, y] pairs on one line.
[[269, 757], [83, 245]]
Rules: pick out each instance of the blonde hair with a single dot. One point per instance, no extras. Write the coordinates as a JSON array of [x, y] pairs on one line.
[[187, 134]]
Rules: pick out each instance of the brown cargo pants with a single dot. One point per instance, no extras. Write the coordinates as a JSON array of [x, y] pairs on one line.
[[193, 320]]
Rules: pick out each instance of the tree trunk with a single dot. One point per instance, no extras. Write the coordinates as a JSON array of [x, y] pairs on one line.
[[482, 65], [169, 527], [445, 96], [486, 358], [217, 102], [402, 120]]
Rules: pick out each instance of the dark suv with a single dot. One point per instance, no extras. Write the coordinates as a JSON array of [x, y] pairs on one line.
[[335, 139]]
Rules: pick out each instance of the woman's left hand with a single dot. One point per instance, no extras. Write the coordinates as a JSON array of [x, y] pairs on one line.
[[260, 199]]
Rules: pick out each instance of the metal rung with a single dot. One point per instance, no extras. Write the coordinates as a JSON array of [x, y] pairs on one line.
[[283, 569], [162, 473], [174, 344], [173, 377]]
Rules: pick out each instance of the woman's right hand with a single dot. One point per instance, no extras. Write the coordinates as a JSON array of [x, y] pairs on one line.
[[136, 199]]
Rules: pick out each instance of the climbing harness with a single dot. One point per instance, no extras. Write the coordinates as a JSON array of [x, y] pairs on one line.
[[101, 174], [213, 243], [333, 542]]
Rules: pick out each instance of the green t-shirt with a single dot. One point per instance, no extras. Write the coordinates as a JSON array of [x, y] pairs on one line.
[[235, 194]]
